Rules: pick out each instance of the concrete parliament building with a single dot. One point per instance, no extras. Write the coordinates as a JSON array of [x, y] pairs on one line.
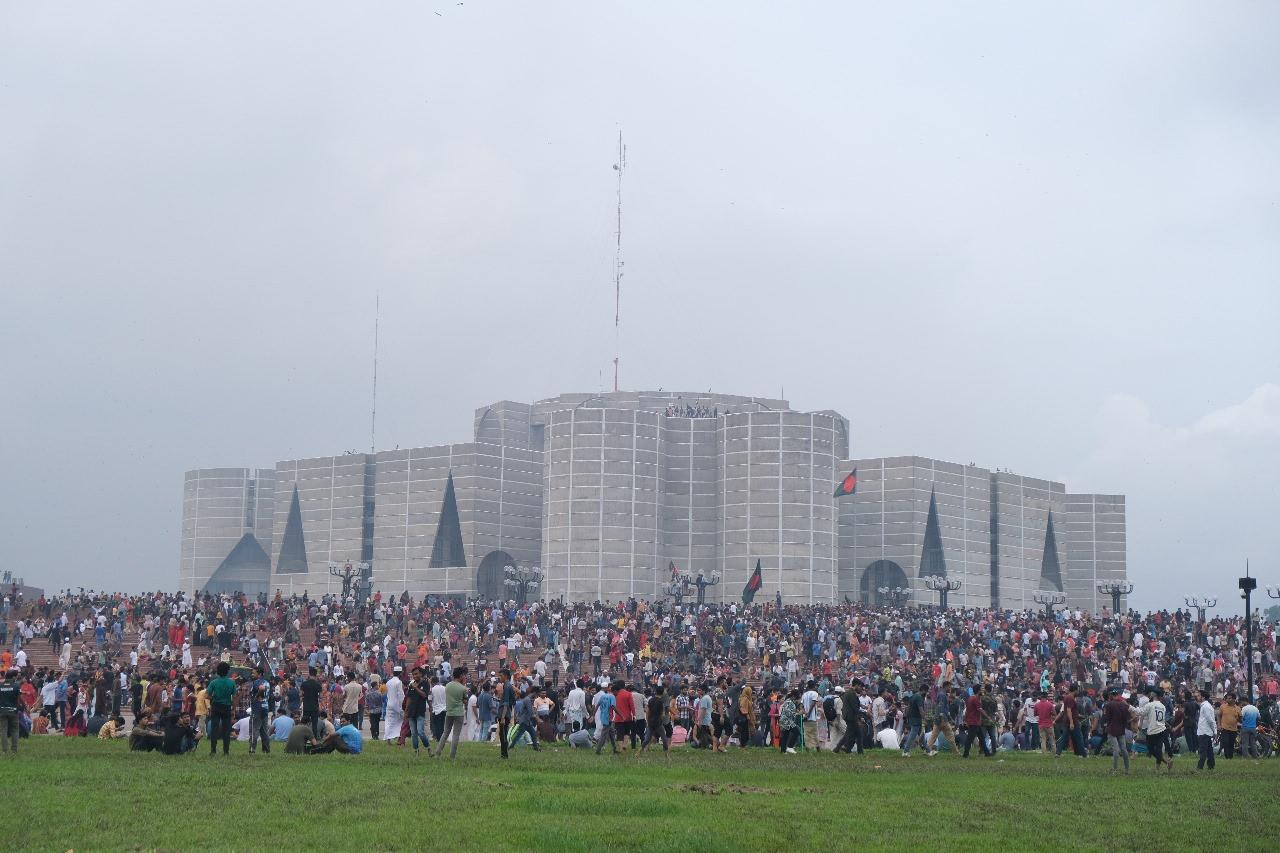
[[607, 491]]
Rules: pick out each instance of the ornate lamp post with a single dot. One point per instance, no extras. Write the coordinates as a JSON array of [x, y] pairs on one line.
[[521, 579], [895, 595], [1201, 603], [942, 586], [679, 586], [1050, 599], [702, 582], [347, 573], [1247, 586], [1115, 589]]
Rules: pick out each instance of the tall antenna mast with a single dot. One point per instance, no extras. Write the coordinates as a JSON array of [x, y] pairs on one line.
[[373, 417], [618, 167]]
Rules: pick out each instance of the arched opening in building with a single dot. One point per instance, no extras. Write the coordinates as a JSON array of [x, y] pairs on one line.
[[490, 575], [881, 573]]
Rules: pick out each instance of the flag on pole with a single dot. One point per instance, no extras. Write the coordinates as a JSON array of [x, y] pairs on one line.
[[753, 585], [848, 485]]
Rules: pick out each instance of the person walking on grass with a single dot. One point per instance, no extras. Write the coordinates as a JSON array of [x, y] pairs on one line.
[[657, 726], [974, 716], [506, 707], [1115, 723], [1206, 727], [604, 704], [222, 691], [1152, 721], [455, 704], [851, 712]]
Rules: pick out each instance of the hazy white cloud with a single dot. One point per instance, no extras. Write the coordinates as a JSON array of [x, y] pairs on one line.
[[960, 225]]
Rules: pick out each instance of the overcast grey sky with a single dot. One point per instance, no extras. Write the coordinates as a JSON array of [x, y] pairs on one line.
[[1031, 236]]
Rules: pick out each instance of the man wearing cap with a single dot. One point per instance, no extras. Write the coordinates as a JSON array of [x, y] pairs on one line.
[[1115, 722], [395, 705]]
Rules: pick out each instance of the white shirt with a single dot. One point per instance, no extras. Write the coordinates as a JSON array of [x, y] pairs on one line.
[[437, 699], [888, 738], [1152, 717], [812, 704], [1208, 721], [576, 703]]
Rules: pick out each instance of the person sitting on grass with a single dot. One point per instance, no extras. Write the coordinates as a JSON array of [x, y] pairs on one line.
[[346, 740], [179, 734], [145, 735], [113, 728], [77, 726], [300, 737]]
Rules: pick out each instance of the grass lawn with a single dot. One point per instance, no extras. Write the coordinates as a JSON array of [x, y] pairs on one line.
[[80, 794]]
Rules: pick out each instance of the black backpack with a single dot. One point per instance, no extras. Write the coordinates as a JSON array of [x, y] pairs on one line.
[[829, 708]]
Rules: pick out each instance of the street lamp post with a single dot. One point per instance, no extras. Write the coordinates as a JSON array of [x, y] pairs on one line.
[[1115, 589], [679, 586], [520, 579], [942, 586], [702, 582], [1049, 599], [1247, 586], [346, 573], [1201, 603], [896, 595]]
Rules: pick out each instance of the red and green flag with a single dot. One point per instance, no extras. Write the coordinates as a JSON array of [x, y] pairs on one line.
[[753, 585], [848, 485]]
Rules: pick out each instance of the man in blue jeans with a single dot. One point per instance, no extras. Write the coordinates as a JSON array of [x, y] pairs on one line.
[[913, 720], [1071, 723], [525, 721], [416, 710]]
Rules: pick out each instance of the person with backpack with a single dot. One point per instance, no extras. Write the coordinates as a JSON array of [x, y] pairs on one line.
[[829, 717]]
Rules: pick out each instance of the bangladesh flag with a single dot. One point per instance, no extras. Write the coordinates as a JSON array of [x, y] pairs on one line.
[[753, 585], [848, 485]]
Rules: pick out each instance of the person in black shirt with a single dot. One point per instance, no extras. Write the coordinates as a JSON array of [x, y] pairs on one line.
[[311, 703], [179, 735], [656, 723], [506, 707]]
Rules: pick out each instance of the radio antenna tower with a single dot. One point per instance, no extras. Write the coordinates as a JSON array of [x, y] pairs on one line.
[[619, 167], [373, 417]]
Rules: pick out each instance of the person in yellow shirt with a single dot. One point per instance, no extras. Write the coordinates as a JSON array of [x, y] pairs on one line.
[[112, 729], [202, 706]]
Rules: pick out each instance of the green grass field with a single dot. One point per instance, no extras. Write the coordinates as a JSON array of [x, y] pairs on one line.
[[79, 794]]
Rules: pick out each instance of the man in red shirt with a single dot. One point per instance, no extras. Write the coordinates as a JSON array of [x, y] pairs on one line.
[[973, 717], [1044, 721], [1116, 718], [624, 712]]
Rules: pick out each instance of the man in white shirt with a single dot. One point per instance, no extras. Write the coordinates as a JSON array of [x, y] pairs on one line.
[[394, 718], [575, 705], [887, 738], [1206, 728], [812, 704], [1151, 719], [438, 701]]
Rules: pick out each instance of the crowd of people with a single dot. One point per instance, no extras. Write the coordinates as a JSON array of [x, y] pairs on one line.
[[427, 673]]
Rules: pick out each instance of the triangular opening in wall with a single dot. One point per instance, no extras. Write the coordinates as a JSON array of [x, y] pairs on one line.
[[246, 569], [447, 551], [293, 550], [932, 561], [1050, 569]]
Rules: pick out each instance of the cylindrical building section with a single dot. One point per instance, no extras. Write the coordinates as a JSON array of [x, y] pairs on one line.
[[778, 474], [691, 495], [601, 536], [217, 509]]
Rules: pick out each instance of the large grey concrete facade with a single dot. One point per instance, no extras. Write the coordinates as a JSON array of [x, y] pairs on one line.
[[220, 506], [1004, 535], [607, 492], [883, 529]]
